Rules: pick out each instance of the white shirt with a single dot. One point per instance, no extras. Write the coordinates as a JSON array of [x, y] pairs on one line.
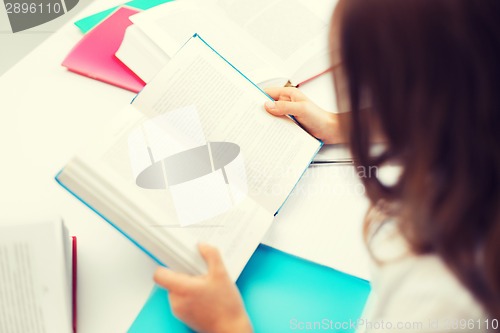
[[416, 293]]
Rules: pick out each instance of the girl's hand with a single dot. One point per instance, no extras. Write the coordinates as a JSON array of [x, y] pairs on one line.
[[318, 122], [207, 303]]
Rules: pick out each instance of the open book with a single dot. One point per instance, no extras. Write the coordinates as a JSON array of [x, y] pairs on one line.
[[37, 277], [271, 41], [194, 158]]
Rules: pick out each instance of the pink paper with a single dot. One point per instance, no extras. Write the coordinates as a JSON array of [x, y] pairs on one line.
[[94, 56]]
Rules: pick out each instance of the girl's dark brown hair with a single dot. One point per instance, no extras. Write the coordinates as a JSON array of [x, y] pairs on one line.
[[431, 72]]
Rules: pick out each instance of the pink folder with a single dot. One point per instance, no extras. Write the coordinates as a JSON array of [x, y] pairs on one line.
[[94, 56]]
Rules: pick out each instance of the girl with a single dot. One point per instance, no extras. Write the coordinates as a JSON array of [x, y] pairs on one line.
[[430, 70]]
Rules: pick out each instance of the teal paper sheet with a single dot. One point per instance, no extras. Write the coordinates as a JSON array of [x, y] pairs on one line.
[[91, 21], [280, 292], [145, 4]]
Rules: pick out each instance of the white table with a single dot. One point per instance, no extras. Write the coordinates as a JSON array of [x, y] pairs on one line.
[[47, 113]]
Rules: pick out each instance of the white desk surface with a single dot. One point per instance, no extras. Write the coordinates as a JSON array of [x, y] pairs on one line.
[[47, 113]]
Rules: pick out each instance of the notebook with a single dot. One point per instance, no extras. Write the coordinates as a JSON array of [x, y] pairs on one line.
[[94, 56]]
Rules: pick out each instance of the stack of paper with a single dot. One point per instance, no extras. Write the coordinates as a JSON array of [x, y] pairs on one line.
[[37, 277]]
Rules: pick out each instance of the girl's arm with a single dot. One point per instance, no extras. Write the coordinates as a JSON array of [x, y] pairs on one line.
[[209, 303]]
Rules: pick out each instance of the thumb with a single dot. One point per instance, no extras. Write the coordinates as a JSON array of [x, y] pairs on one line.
[[283, 108], [170, 280], [213, 259]]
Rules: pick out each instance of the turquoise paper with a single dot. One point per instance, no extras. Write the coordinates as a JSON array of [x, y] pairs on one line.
[[91, 21], [145, 4], [277, 288]]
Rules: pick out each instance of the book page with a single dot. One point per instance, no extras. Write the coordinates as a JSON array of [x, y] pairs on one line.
[[158, 223], [229, 108], [140, 54], [34, 283]]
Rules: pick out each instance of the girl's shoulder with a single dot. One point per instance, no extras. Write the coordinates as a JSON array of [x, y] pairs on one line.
[[418, 290]]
